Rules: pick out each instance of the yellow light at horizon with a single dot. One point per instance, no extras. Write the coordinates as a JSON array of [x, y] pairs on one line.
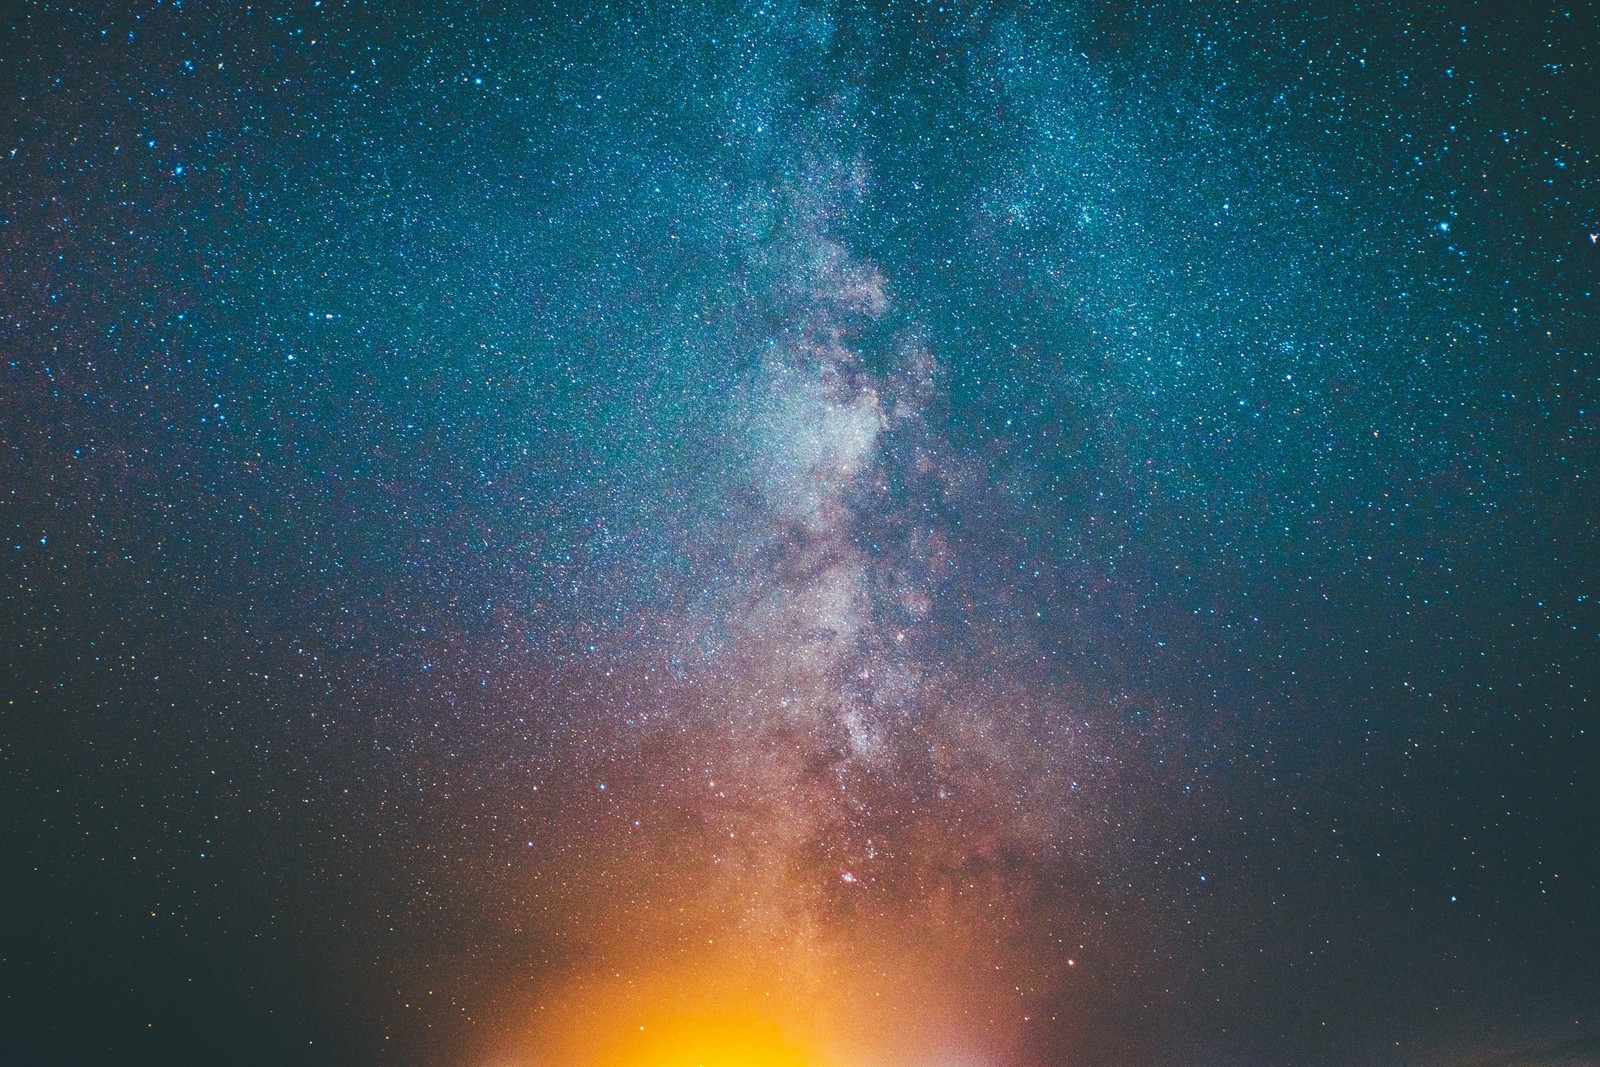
[[709, 1040]]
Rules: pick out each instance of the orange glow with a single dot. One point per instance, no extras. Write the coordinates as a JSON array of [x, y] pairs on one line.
[[715, 1008], [713, 1039], [888, 991]]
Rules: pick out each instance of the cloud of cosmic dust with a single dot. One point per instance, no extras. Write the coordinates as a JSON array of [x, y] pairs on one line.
[[844, 817]]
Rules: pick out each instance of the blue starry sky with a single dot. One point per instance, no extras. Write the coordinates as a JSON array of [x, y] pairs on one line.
[[1163, 433]]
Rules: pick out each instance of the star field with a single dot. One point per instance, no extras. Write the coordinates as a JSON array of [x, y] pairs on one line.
[[855, 535]]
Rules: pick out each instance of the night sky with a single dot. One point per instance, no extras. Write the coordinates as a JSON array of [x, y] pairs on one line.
[[800, 534]]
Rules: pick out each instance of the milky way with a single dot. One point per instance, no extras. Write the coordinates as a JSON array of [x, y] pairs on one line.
[[803, 534]]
